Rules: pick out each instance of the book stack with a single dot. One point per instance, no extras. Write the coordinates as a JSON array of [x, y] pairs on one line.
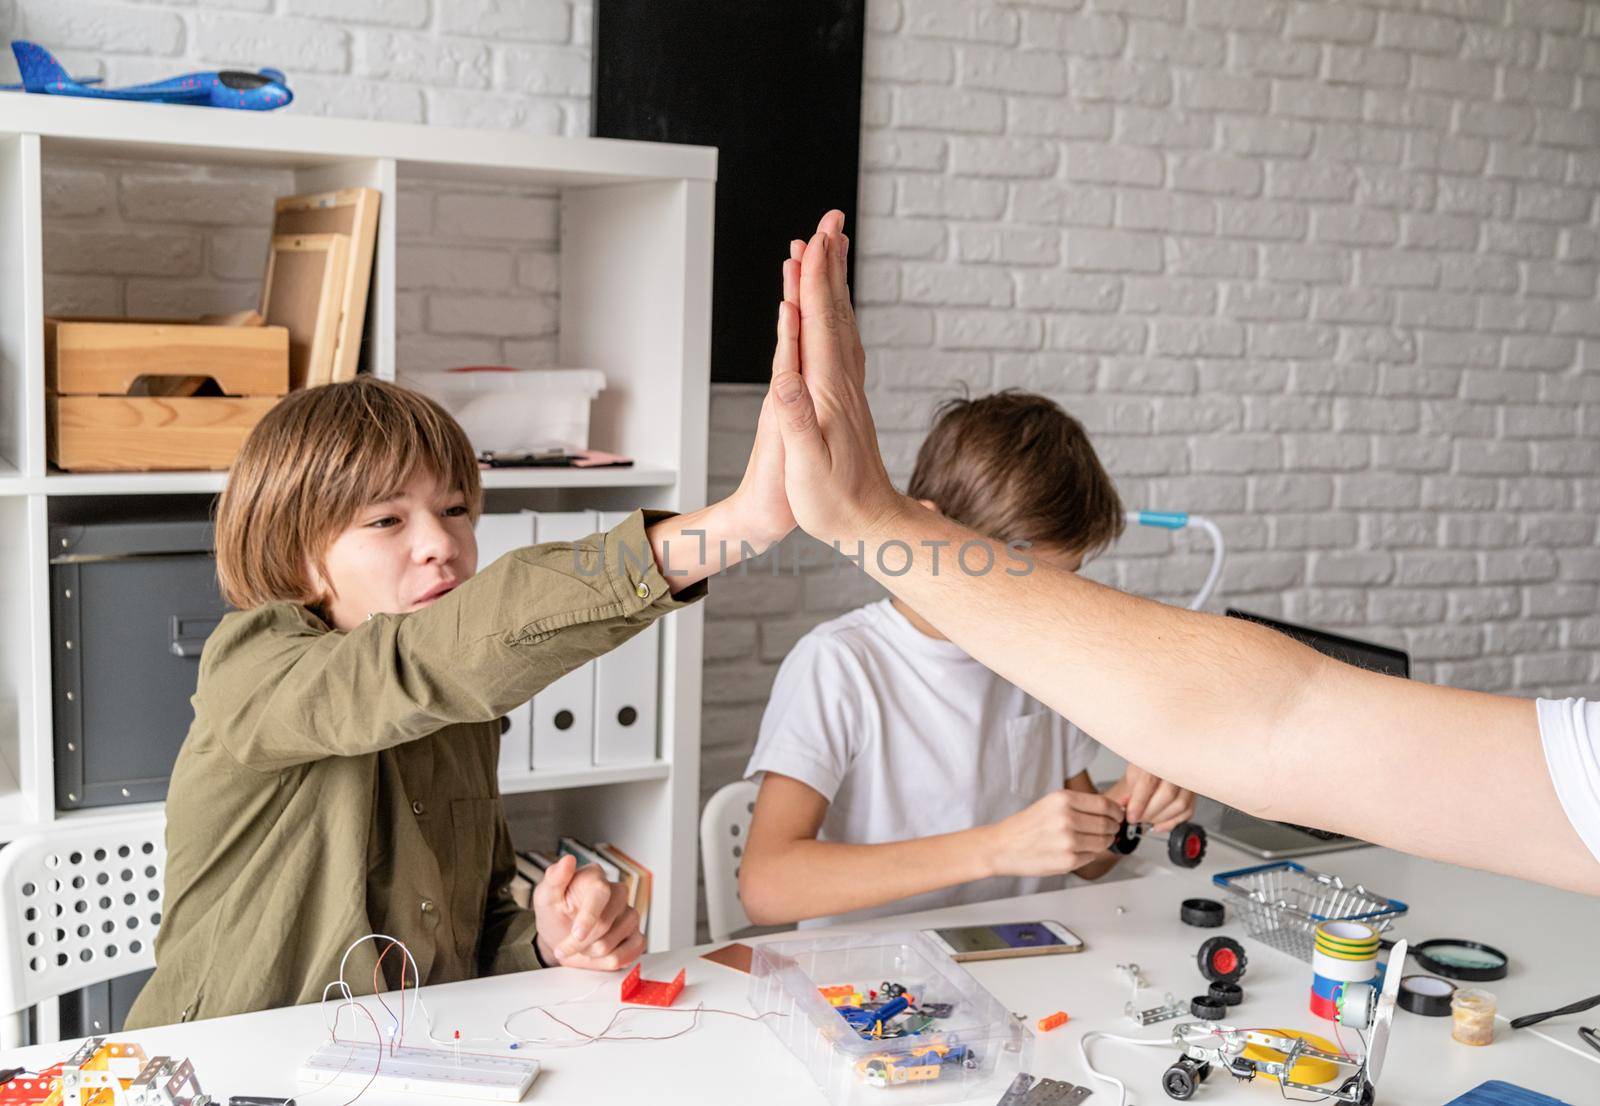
[[617, 866]]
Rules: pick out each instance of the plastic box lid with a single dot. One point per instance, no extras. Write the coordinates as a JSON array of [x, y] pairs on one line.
[[493, 378]]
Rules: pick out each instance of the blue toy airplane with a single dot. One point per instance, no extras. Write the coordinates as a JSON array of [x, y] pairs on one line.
[[230, 88]]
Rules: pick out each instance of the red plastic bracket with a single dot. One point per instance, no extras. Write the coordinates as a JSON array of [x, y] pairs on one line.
[[651, 992]]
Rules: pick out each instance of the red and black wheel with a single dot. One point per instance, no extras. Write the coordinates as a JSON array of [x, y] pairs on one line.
[[1222, 958], [1186, 844]]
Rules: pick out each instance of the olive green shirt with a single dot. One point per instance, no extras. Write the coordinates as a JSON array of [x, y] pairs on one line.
[[338, 784]]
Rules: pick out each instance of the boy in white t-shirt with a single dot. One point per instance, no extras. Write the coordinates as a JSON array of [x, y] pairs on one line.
[[899, 774]]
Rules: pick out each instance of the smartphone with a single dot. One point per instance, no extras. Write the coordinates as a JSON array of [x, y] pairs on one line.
[[998, 942]]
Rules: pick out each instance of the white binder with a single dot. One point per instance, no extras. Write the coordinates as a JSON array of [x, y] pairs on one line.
[[563, 713], [626, 688], [497, 536]]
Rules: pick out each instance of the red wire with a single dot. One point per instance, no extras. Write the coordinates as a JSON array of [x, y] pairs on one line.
[[379, 994]]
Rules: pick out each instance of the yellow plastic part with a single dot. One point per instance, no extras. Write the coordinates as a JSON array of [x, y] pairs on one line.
[[1308, 1070]]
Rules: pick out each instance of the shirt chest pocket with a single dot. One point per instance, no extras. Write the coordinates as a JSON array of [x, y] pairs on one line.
[[1031, 747]]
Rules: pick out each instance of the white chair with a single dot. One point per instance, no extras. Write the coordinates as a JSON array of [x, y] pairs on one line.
[[77, 907], [724, 827]]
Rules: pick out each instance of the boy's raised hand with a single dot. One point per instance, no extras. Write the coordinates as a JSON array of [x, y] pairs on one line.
[[837, 485], [761, 494], [583, 920], [1059, 833]]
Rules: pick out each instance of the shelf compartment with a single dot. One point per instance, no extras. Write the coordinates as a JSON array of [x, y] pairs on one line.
[[526, 783]]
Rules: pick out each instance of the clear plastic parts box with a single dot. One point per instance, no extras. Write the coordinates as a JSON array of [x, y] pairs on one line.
[[976, 1047]]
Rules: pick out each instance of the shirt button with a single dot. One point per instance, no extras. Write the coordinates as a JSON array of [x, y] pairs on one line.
[[427, 906], [417, 807], [643, 590]]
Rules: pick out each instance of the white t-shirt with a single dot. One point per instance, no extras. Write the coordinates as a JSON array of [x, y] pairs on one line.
[[1570, 729], [907, 736]]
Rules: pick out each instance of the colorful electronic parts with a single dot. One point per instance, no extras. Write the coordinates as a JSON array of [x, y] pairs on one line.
[[97, 1074], [651, 992], [920, 1065], [874, 1022], [1222, 958], [434, 1072], [840, 994], [1201, 913], [1053, 1021]]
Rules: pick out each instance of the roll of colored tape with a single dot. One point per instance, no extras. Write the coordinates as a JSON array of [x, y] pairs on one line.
[[1344, 952], [1346, 935], [1324, 1007], [1345, 971], [1323, 987]]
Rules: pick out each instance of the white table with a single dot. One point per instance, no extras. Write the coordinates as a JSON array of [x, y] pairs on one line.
[[1548, 934]]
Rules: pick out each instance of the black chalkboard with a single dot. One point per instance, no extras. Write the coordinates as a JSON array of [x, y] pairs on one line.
[[775, 85]]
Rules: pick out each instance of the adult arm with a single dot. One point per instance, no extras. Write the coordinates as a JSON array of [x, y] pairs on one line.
[[1220, 706]]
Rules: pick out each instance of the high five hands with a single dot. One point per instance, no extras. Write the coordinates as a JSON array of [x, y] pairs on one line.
[[833, 474]]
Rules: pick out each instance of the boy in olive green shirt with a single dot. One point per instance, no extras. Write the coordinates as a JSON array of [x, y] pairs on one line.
[[339, 779]]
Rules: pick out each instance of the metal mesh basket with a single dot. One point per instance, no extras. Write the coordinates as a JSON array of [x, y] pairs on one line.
[[1282, 903]]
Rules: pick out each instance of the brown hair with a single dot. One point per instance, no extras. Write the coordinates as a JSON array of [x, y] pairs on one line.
[[1015, 467], [311, 464]]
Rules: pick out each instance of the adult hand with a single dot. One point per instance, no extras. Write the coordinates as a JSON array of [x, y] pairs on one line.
[[837, 485], [1057, 834], [583, 920], [1149, 798]]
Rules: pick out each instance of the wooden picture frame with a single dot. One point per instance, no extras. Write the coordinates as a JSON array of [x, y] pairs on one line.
[[347, 211], [303, 291]]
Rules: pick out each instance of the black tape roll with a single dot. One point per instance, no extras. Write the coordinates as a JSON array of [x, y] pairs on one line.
[[1426, 995], [1204, 913]]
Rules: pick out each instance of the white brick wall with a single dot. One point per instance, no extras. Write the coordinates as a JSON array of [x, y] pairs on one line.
[[1325, 271]]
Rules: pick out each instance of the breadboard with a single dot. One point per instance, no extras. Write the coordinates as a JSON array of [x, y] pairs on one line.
[[429, 1071]]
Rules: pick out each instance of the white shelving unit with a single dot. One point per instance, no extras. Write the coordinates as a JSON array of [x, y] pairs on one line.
[[636, 226]]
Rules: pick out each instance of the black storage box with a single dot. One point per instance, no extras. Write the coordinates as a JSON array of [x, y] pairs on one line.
[[131, 606]]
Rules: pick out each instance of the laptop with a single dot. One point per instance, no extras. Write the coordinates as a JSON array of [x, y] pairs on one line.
[[1280, 840]]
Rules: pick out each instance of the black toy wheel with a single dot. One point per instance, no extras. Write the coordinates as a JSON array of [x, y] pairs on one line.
[[1186, 844], [1179, 1080], [1207, 1008], [1203, 1071], [1229, 994], [1222, 958], [1127, 839], [1201, 913]]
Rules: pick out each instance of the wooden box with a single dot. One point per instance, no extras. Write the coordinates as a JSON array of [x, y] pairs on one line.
[[121, 395]]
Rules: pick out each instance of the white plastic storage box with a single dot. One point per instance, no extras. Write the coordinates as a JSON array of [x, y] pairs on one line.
[[505, 409], [976, 1049]]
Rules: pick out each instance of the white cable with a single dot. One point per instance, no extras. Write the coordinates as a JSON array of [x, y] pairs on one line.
[[1217, 553], [1588, 1054], [1083, 1051], [1183, 521]]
